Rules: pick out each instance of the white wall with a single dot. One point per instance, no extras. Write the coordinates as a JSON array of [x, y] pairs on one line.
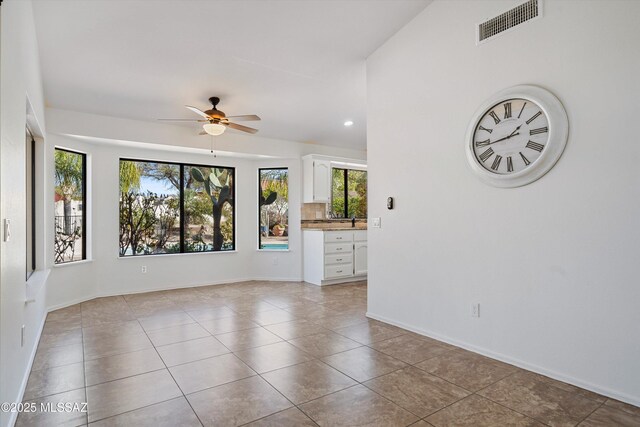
[[553, 264], [19, 80], [106, 140]]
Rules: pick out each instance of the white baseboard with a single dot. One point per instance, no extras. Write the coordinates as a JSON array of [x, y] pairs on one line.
[[604, 391], [25, 378]]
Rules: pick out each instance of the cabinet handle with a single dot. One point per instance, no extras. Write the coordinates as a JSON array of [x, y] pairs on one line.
[[338, 238], [338, 259], [339, 271], [338, 249]]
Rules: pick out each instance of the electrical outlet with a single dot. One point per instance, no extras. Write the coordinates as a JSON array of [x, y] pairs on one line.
[[275, 260], [7, 230], [376, 222], [22, 336], [144, 269], [475, 310]]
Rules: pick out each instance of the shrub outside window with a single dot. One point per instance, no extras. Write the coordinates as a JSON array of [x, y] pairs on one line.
[[70, 214], [273, 209]]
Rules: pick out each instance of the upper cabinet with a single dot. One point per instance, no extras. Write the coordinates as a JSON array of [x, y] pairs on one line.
[[317, 180]]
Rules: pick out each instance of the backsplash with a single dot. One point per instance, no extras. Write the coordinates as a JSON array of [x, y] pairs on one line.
[[314, 211]]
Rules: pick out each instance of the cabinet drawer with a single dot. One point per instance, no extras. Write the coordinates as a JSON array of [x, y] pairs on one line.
[[334, 271], [338, 236], [338, 248], [337, 259]]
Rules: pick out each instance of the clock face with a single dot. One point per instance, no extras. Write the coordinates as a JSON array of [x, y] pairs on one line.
[[510, 136]]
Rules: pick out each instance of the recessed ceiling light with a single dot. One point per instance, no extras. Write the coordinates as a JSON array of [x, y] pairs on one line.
[[348, 123]]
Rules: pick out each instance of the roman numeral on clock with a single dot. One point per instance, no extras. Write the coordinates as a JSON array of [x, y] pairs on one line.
[[482, 143], [495, 117], [496, 163], [484, 156], [525, 160], [522, 109], [509, 164], [535, 146], [539, 130], [535, 116], [507, 110], [484, 128]]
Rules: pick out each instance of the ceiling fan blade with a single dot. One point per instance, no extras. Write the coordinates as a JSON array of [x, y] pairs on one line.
[[248, 117], [240, 127], [181, 120], [198, 112]]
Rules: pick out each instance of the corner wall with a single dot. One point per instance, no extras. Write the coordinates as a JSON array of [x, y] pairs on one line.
[[553, 264], [20, 78]]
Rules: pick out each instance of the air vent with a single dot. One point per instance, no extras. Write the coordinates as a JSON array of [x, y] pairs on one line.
[[508, 20]]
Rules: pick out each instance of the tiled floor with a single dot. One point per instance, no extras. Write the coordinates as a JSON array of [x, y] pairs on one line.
[[280, 354]]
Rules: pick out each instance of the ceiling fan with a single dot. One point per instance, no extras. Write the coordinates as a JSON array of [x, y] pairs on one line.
[[216, 121]]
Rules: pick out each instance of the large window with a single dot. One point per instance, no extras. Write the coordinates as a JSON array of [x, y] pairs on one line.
[[31, 202], [70, 214], [348, 193], [273, 208], [175, 208]]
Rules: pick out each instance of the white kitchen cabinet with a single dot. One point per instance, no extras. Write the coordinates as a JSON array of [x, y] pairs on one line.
[[360, 258], [334, 256], [317, 180]]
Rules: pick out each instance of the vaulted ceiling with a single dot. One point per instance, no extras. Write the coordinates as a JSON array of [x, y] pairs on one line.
[[299, 64]]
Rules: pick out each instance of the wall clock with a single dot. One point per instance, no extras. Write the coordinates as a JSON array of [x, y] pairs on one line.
[[516, 136]]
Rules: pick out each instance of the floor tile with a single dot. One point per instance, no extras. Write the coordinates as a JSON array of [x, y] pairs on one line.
[[607, 416], [634, 410], [211, 313], [117, 397], [307, 381], [539, 400], [45, 382], [57, 356], [357, 406], [296, 329], [292, 417], [467, 370], [56, 419], [568, 387], [58, 339], [63, 325], [272, 317], [72, 312], [476, 411], [411, 348], [324, 344], [190, 351], [152, 323], [417, 391], [108, 330], [207, 373], [363, 363], [176, 334], [237, 403], [368, 332], [122, 365], [228, 324], [116, 344], [248, 338], [171, 413], [272, 356]]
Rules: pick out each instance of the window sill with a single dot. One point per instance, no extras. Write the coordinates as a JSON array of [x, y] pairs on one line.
[[70, 263], [273, 250], [35, 283], [178, 254]]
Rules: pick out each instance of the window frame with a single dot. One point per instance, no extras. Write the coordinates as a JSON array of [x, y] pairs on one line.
[[31, 202], [260, 212], [345, 173], [181, 166], [84, 204]]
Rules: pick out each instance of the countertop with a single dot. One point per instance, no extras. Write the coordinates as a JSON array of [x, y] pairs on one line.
[[333, 228]]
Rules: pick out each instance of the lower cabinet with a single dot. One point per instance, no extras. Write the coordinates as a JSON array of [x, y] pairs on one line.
[[334, 256]]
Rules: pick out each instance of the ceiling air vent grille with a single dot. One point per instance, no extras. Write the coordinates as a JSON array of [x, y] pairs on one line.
[[511, 18]]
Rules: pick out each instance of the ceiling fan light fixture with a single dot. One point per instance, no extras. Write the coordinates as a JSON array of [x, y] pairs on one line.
[[348, 123], [214, 129]]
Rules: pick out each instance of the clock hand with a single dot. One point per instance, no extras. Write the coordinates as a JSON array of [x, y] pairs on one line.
[[506, 137]]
